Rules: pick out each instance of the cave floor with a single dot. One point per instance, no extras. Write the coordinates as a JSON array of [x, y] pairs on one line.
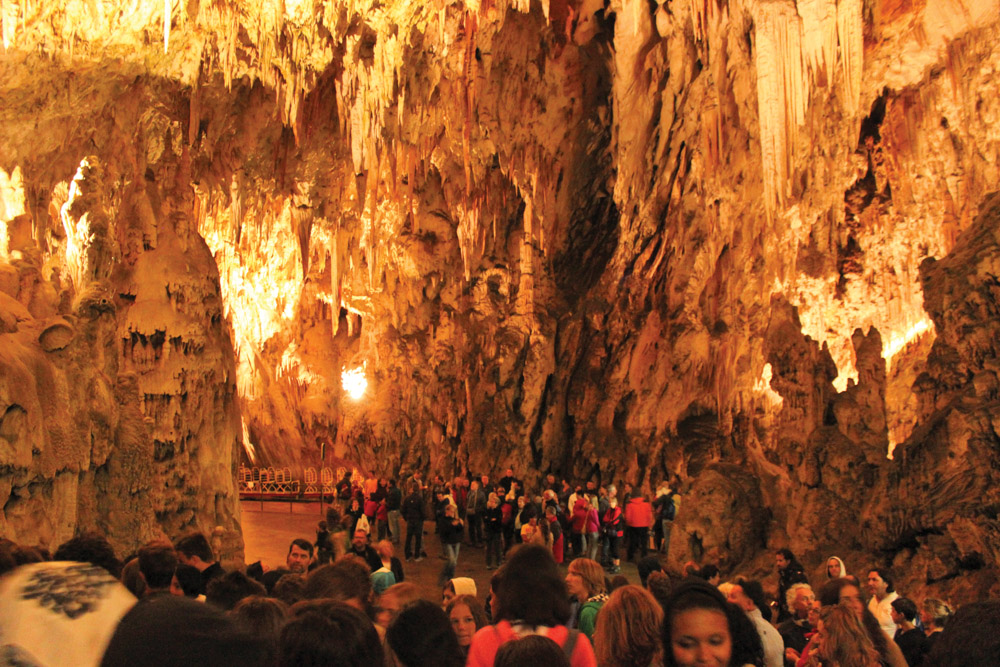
[[269, 529]]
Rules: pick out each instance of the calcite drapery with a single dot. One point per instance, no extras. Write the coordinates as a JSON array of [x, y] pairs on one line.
[[571, 236]]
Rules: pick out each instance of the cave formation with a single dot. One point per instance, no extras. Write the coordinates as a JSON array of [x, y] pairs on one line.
[[749, 242]]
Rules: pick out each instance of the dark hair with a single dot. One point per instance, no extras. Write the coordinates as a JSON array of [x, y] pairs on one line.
[[132, 579], [531, 651], [421, 635], [886, 577], [303, 544], [659, 585], [90, 548], [698, 594], [972, 637], [620, 580], [531, 588], [829, 593], [753, 590], [157, 562], [195, 544], [189, 578], [225, 591], [906, 607], [786, 554], [289, 588], [347, 578], [263, 618], [646, 565], [708, 571], [329, 633]]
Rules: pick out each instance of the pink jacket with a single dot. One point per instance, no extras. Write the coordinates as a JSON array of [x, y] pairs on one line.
[[593, 521]]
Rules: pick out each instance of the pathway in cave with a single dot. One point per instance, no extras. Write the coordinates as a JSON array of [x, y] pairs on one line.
[[268, 529]]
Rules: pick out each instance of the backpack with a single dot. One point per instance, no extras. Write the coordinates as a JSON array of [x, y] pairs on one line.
[[669, 508]]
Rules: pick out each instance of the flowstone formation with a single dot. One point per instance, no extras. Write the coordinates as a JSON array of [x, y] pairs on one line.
[[610, 240]]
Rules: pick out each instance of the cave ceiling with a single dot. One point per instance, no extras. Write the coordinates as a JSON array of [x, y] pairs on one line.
[[715, 238]]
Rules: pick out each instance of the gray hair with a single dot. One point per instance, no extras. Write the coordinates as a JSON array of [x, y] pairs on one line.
[[793, 592]]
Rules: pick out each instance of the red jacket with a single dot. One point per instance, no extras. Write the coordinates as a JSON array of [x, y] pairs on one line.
[[638, 513], [580, 515]]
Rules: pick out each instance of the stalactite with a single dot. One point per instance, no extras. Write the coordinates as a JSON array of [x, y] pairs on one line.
[[166, 25]]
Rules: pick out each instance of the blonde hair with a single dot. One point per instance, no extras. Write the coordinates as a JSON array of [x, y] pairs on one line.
[[385, 550], [846, 643], [628, 629], [939, 611], [592, 574]]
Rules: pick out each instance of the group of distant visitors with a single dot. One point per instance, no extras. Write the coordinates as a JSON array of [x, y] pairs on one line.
[[344, 599]]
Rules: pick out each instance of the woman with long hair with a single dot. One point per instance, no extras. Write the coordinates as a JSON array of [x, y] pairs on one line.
[[585, 582], [843, 640], [628, 629], [530, 599], [845, 592], [700, 627]]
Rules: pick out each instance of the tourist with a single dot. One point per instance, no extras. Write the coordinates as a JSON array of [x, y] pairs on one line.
[[613, 521], [226, 591], [628, 629], [263, 618], [835, 568], [157, 564], [493, 526], [364, 551], [455, 587], [532, 651], [421, 635], [585, 582], [795, 631], [452, 529], [933, 615], [194, 550], [845, 591], [329, 633], [971, 638], [393, 503], [910, 639], [748, 595], [413, 513], [638, 519], [593, 528], [701, 628], [530, 599], [842, 639], [882, 594], [475, 506], [467, 615], [790, 571]]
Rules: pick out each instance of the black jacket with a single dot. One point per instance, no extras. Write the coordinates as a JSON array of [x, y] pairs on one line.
[[413, 508]]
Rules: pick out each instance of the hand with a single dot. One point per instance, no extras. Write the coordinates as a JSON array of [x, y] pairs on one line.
[[791, 654]]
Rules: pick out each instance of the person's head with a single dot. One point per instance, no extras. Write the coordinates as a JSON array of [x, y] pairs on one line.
[[225, 591], [157, 563], [300, 553], [493, 501], [710, 573], [359, 540], [646, 565], [509, 472], [530, 588], [189, 579], [800, 598], [393, 599], [348, 579], [842, 639], [467, 615], [194, 549], [628, 628], [455, 587], [835, 568], [659, 585], [385, 550], [903, 610], [90, 548], [473, 485], [748, 595], [531, 651], [783, 558], [132, 578], [700, 628], [879, 582], [421, 635], [450, 511], [289, 588], [261, 617], [329, 633], [934, 613], [585, 579], [842, 591]]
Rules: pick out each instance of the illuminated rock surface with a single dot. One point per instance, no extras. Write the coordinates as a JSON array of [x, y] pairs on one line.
[[607, 241]]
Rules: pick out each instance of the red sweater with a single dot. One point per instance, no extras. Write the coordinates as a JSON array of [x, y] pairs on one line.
[[638, 513], [488, 640]]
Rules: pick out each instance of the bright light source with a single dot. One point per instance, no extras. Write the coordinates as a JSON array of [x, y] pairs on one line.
[[354, 382]]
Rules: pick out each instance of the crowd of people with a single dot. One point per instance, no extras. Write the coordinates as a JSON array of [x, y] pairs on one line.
[[556, 595]]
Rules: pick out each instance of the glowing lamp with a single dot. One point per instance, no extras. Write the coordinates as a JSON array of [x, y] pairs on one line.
[[354, 382]]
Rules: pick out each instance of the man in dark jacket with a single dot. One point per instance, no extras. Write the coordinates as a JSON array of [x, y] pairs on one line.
[[413, 514], [475, 505]]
